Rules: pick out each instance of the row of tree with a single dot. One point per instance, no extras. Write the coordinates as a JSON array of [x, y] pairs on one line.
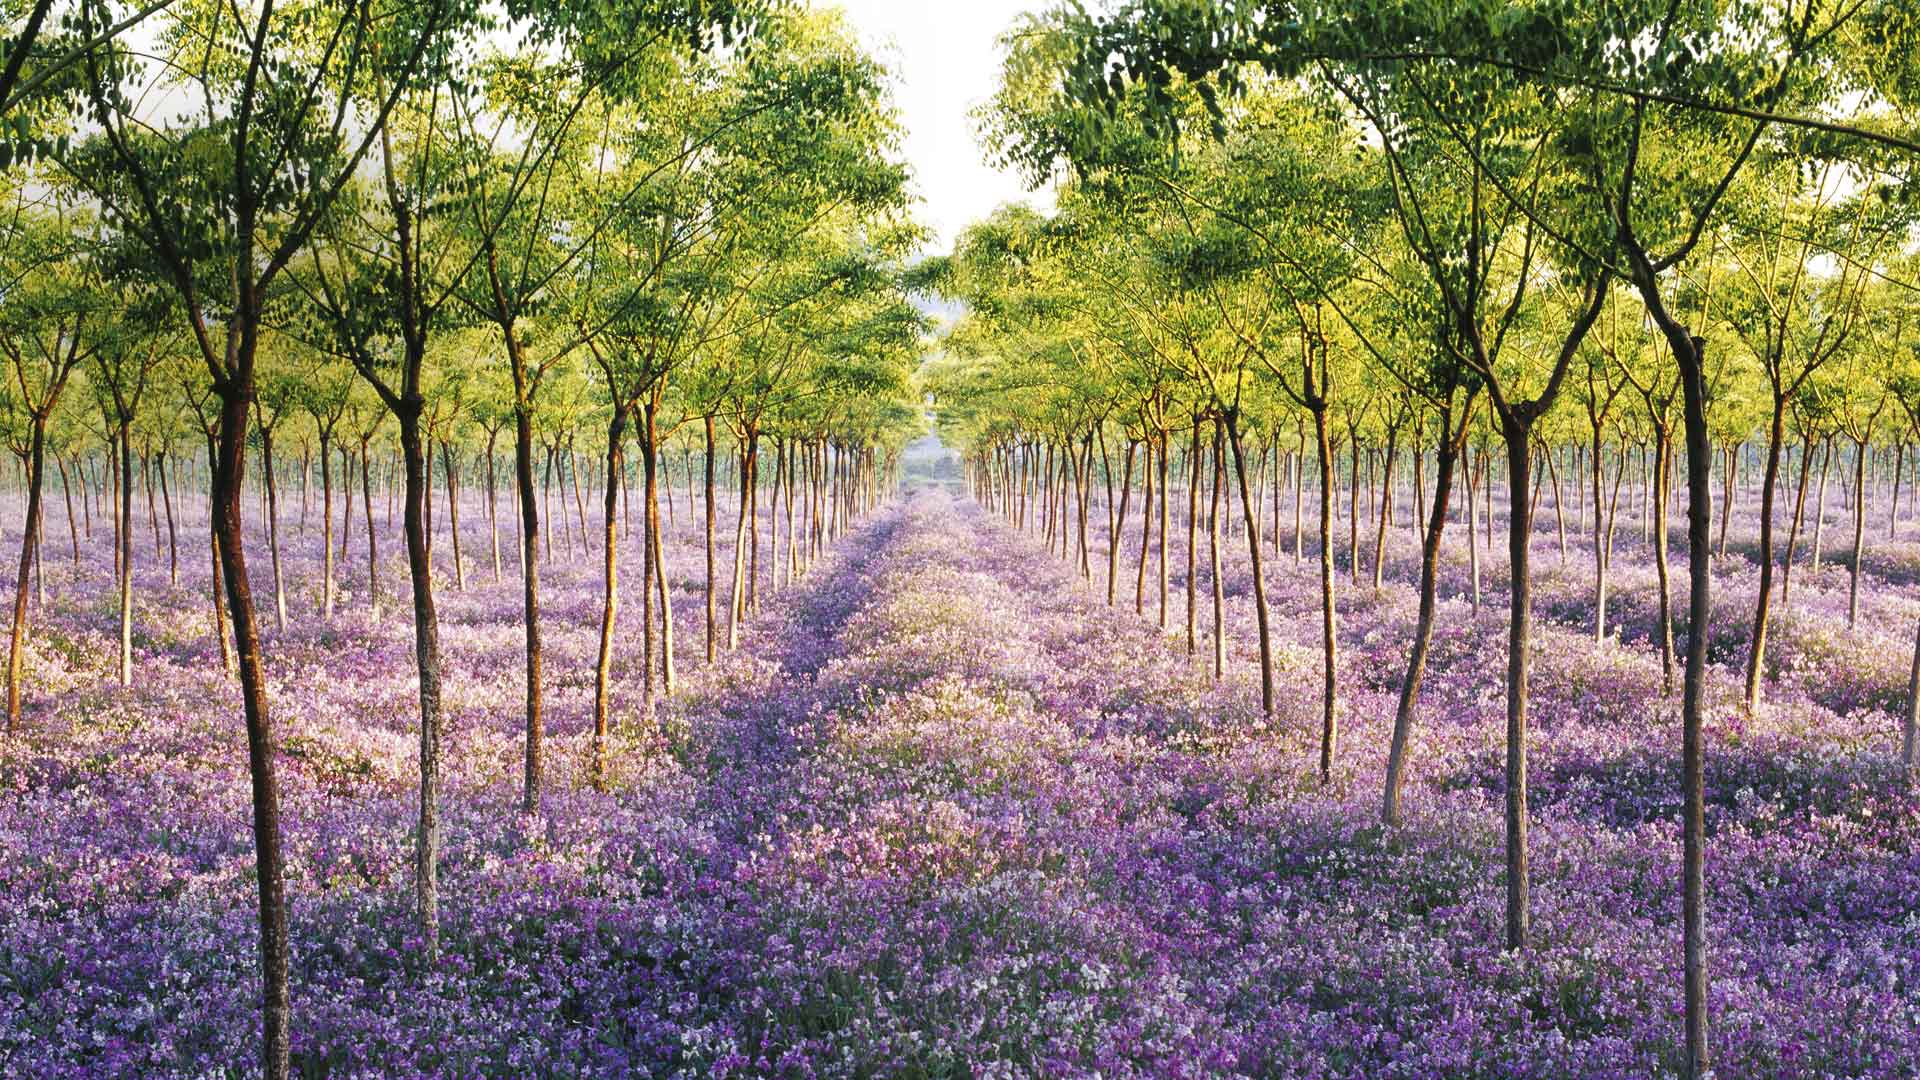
[[1425, 228], [364, 229]]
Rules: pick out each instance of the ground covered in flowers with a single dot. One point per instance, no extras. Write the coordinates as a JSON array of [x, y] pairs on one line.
[[944, 813]]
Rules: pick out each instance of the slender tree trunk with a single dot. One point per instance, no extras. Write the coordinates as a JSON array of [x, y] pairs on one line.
[[1423, 627], [123, 547], [1386, 508], [1165, 446], [1299, 497], [173, 533], [1799, 512], [530, 571], [710, 527], [610, 594], [1119, 522], [153, 507], [1726, 496], [426, 651], [306, 480], [373, 554], [1473, 544], [1353, 508], [1757, 647], [753, 529], [1146, 529], [236, 400], [1910, 724], [86, 499], [493, 514], [453, 515], [1859, 530], [1329, 704], [273, 530], [1219, 469], [227, 663], [1689, 352], [1559, 509], [326, 528], [1893, 505], [1250, 513], [651, 440], [737, 594], [1820, 511], [1519, 439], [29, 537], [1663, 478], [1193, 538], [579, 500], [66, 490]]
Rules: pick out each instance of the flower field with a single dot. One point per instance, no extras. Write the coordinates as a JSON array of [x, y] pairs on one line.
[[944, 813]]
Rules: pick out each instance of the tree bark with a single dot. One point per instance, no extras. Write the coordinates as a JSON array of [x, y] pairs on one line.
[[1251, 514], [123, 548], [1757, 647], [426, 649], [610, 594], [29, 537], [1193, 537], [1119, 522], [1859, 530], [228, 485], [273, 529], [529, 571], [710, 527], [1329, 703], [1409, 700]]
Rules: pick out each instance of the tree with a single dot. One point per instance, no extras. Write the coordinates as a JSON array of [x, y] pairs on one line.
[[50, 323]]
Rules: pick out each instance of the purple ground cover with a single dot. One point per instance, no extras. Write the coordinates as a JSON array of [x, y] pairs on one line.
[[945, 814]]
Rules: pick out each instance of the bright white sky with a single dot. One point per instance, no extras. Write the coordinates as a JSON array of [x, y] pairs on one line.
[[945, 62]]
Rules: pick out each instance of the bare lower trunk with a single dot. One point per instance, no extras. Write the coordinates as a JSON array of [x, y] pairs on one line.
[[1397, 753], [529, 580], [262, 744], [1164, 447], [1820, 509], [373, 552], [1519, 642], [273, 531], [29, 537], [123, 551], [1193, 538], [227, 665], [668, 675], [426, 651], [1386, 509], [1473, 544], [1329, 700], [453, 515], [73, 527], [1757, 646], [737, 596], [1219, 470], [1663, 462], [1859, 531], [1119, 523], [710, 527], [1910, 724], [326, 530], [610, 595], [173, 532], [493, 513], [1146, 530], [1248, 511]]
